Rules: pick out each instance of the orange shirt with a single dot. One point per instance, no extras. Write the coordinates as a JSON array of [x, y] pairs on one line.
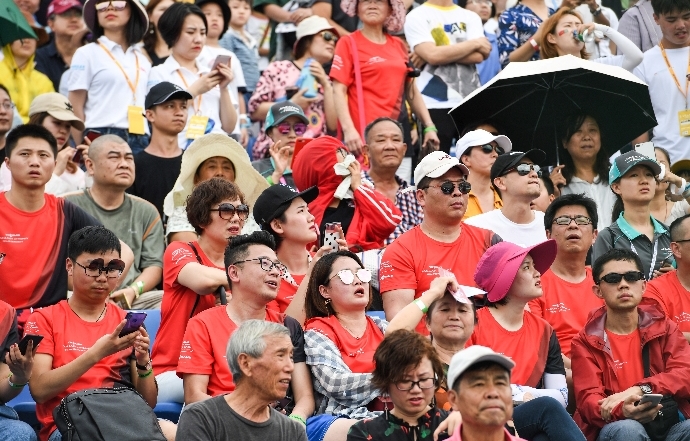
[[565, 305], [473, 207], [673, 298], [627, 357]]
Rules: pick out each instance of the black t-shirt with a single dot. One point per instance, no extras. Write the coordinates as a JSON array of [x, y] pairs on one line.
[[343, 213], [154, 177], [340, 17]]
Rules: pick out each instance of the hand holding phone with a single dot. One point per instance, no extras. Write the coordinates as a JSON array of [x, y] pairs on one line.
[[331, 236], [655, 399], [221, 59], [23, 344], [134, 321]]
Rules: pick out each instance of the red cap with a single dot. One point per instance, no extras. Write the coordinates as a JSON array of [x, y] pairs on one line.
[[62, 6]]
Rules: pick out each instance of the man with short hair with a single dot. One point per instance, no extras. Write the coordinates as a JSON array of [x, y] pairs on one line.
[[259, 355], [672, 290], [134, 220], [546, 195], [385, 147], [160, 162], [441, 242], [516, 177], [610, 374]]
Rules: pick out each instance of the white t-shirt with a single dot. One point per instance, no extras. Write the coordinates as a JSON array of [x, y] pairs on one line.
[[57, 185], [108, 92], [600, 192], [444, 25], [667, 100], [524, 235]]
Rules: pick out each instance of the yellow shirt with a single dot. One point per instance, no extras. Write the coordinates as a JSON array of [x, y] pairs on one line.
[[23, 84], [473, 207]]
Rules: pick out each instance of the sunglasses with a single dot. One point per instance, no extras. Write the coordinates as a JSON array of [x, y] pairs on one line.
[[347, 276], [448, 187], [525, 169], [630, 276], [329, 36], [299, 128], [488, 148], [97, 266], [267, 264], [118, 5], [579, 220], [228, 211]]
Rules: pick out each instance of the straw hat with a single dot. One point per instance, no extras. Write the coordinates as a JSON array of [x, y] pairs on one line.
[[214, 144]]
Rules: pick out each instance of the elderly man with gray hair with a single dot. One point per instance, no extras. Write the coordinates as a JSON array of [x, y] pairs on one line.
[[260, 358]]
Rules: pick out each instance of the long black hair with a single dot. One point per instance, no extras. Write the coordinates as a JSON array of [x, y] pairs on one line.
[[135, 29]]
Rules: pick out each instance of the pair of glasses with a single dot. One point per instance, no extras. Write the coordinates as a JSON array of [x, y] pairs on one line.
[[579, 220], [488, 148], [118, 5], [228, 211], [299, 128], [525, 169], [448, 187], [329, 36], [266, 264], [424, 383], [97, 266], [348, 277], [7, 105], [630, 276]]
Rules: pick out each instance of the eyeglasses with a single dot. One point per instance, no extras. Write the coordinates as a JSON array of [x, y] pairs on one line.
[[347, 276], [118, 5], [448, 187], [579, 220], [228, 211], [7, 105], [329, 36], [424, 383], [630, 276], [681, 241], [299, 128], [97, 266], [266, 264], [525, 169], [488, 148]]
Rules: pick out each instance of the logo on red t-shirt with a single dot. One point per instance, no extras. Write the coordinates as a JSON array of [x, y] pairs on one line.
[[683, 317], [180, 254], [558, 307], [617, 364]]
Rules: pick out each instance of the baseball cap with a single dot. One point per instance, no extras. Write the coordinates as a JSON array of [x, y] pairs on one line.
[[282, 110], [481, 137], [62, 6], [678, 166], [165, 91], [623, 164], [273, 201], [466, 358], [499, 265], [311, 26], [509, 160], [57, 106], [436, 164]]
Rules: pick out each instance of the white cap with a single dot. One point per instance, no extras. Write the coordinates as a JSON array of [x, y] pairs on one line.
[[480, 137], [464, 359], [311, 26], [436, 164]]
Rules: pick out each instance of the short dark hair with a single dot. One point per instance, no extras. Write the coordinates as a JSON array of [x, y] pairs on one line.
[[2, 87], [171, 21], [676, 229], [381, 119], [95, 239], [571, 125], [249, 2], [477, 367], [238, 247], [475, 124], [670, 6], [29, 131], [548, 183], [134, 30], [424, 183], [567, 200], [207, 194], [269, 229], [399, 352], [616, 254]]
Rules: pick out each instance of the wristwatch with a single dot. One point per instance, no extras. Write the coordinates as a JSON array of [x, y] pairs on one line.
[[646, 388], [596, 12], [145, 367]]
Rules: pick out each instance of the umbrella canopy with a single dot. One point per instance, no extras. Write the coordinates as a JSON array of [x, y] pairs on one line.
[[13, 25], [531, 100]]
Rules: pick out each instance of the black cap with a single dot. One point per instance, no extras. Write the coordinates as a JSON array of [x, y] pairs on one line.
[[163, 92], [224, 8], [282, 110], [273, 201], [509, 160]]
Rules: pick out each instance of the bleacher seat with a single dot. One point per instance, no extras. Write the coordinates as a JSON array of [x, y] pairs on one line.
[[25, 406]]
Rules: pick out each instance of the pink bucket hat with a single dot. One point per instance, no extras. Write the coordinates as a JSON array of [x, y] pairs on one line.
[[393, 24], [499, 265]]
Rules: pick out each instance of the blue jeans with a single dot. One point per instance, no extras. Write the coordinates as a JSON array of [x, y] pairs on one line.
[[136, 142], [543, 419], [631, 430], [55, 436], [11, 429]]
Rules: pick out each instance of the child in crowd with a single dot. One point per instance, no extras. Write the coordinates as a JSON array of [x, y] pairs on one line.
[[242, 43]]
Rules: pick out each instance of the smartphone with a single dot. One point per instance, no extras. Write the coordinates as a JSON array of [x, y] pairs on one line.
[[23, 344], [299, 145], [134, 321], [651, 398], [291, 91], [92, 134], [332, 235], [283, 404], [647, 149], [221, 59]]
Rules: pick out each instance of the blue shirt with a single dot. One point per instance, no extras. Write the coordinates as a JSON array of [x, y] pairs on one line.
[[248, 56], [517, 25], [488, 68]]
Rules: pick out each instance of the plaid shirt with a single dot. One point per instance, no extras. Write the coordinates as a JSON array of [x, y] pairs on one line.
[[339, 391], [412, 212]]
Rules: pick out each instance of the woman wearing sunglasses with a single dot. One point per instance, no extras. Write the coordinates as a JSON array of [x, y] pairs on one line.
[[107, 79], [281, 80]]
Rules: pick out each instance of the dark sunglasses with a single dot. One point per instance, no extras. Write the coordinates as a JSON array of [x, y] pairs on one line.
[[448, 187], [329, 36], [488, 148], [299, 128], [579, 220], [97, 266], [228, 211], [630, 276], [525, 169]]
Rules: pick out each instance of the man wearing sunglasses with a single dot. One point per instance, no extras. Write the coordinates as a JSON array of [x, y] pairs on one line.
[[515, 175], [625, 351]]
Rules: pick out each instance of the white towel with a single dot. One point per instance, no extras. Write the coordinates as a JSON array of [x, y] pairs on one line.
[[341, 169]]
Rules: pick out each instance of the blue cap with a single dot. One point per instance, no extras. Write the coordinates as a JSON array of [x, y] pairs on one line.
[[623, 164], [282, 110]]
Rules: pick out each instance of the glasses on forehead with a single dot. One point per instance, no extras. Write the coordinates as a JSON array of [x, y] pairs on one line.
[[524, 169], [228, 211], [579, 220], [630, 276], [488, 148], [266, 264], [423, 383], [448, 187], [348, 277], [299, 128], [118, 5], [329, 36], [97, 266]]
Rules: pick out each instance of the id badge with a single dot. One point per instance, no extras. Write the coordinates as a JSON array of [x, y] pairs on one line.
[[197, 126], [684, 122], [135, 119]]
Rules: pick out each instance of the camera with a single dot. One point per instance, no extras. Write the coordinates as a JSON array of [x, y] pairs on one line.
[[412, 71]]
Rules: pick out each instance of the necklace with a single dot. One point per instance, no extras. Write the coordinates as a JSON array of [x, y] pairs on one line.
[[99, 316], [350, 331]]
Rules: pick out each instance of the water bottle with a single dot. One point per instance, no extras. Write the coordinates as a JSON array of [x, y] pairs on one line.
[[585, 37], [307, 81]]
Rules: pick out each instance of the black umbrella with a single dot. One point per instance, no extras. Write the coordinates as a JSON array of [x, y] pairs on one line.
[[531, 100]]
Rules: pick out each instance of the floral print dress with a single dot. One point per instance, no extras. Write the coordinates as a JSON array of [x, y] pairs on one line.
[[387, 427], [516, 26]]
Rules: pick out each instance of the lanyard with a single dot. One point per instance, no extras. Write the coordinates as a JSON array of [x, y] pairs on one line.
[[653, 263], [197, 109], [133, 87], [673, 74]]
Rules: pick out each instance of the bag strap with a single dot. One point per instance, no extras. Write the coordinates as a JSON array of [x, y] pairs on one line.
[[198, 296], [645, 361], [358, 86]]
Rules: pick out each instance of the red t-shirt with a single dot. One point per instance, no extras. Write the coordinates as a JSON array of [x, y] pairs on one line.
[[358, 354], [565, 305], [178, 302], [205, 345], [384, 71], [627, 358], [413, 259], [286, 293], [66, 337], [673, 298]]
